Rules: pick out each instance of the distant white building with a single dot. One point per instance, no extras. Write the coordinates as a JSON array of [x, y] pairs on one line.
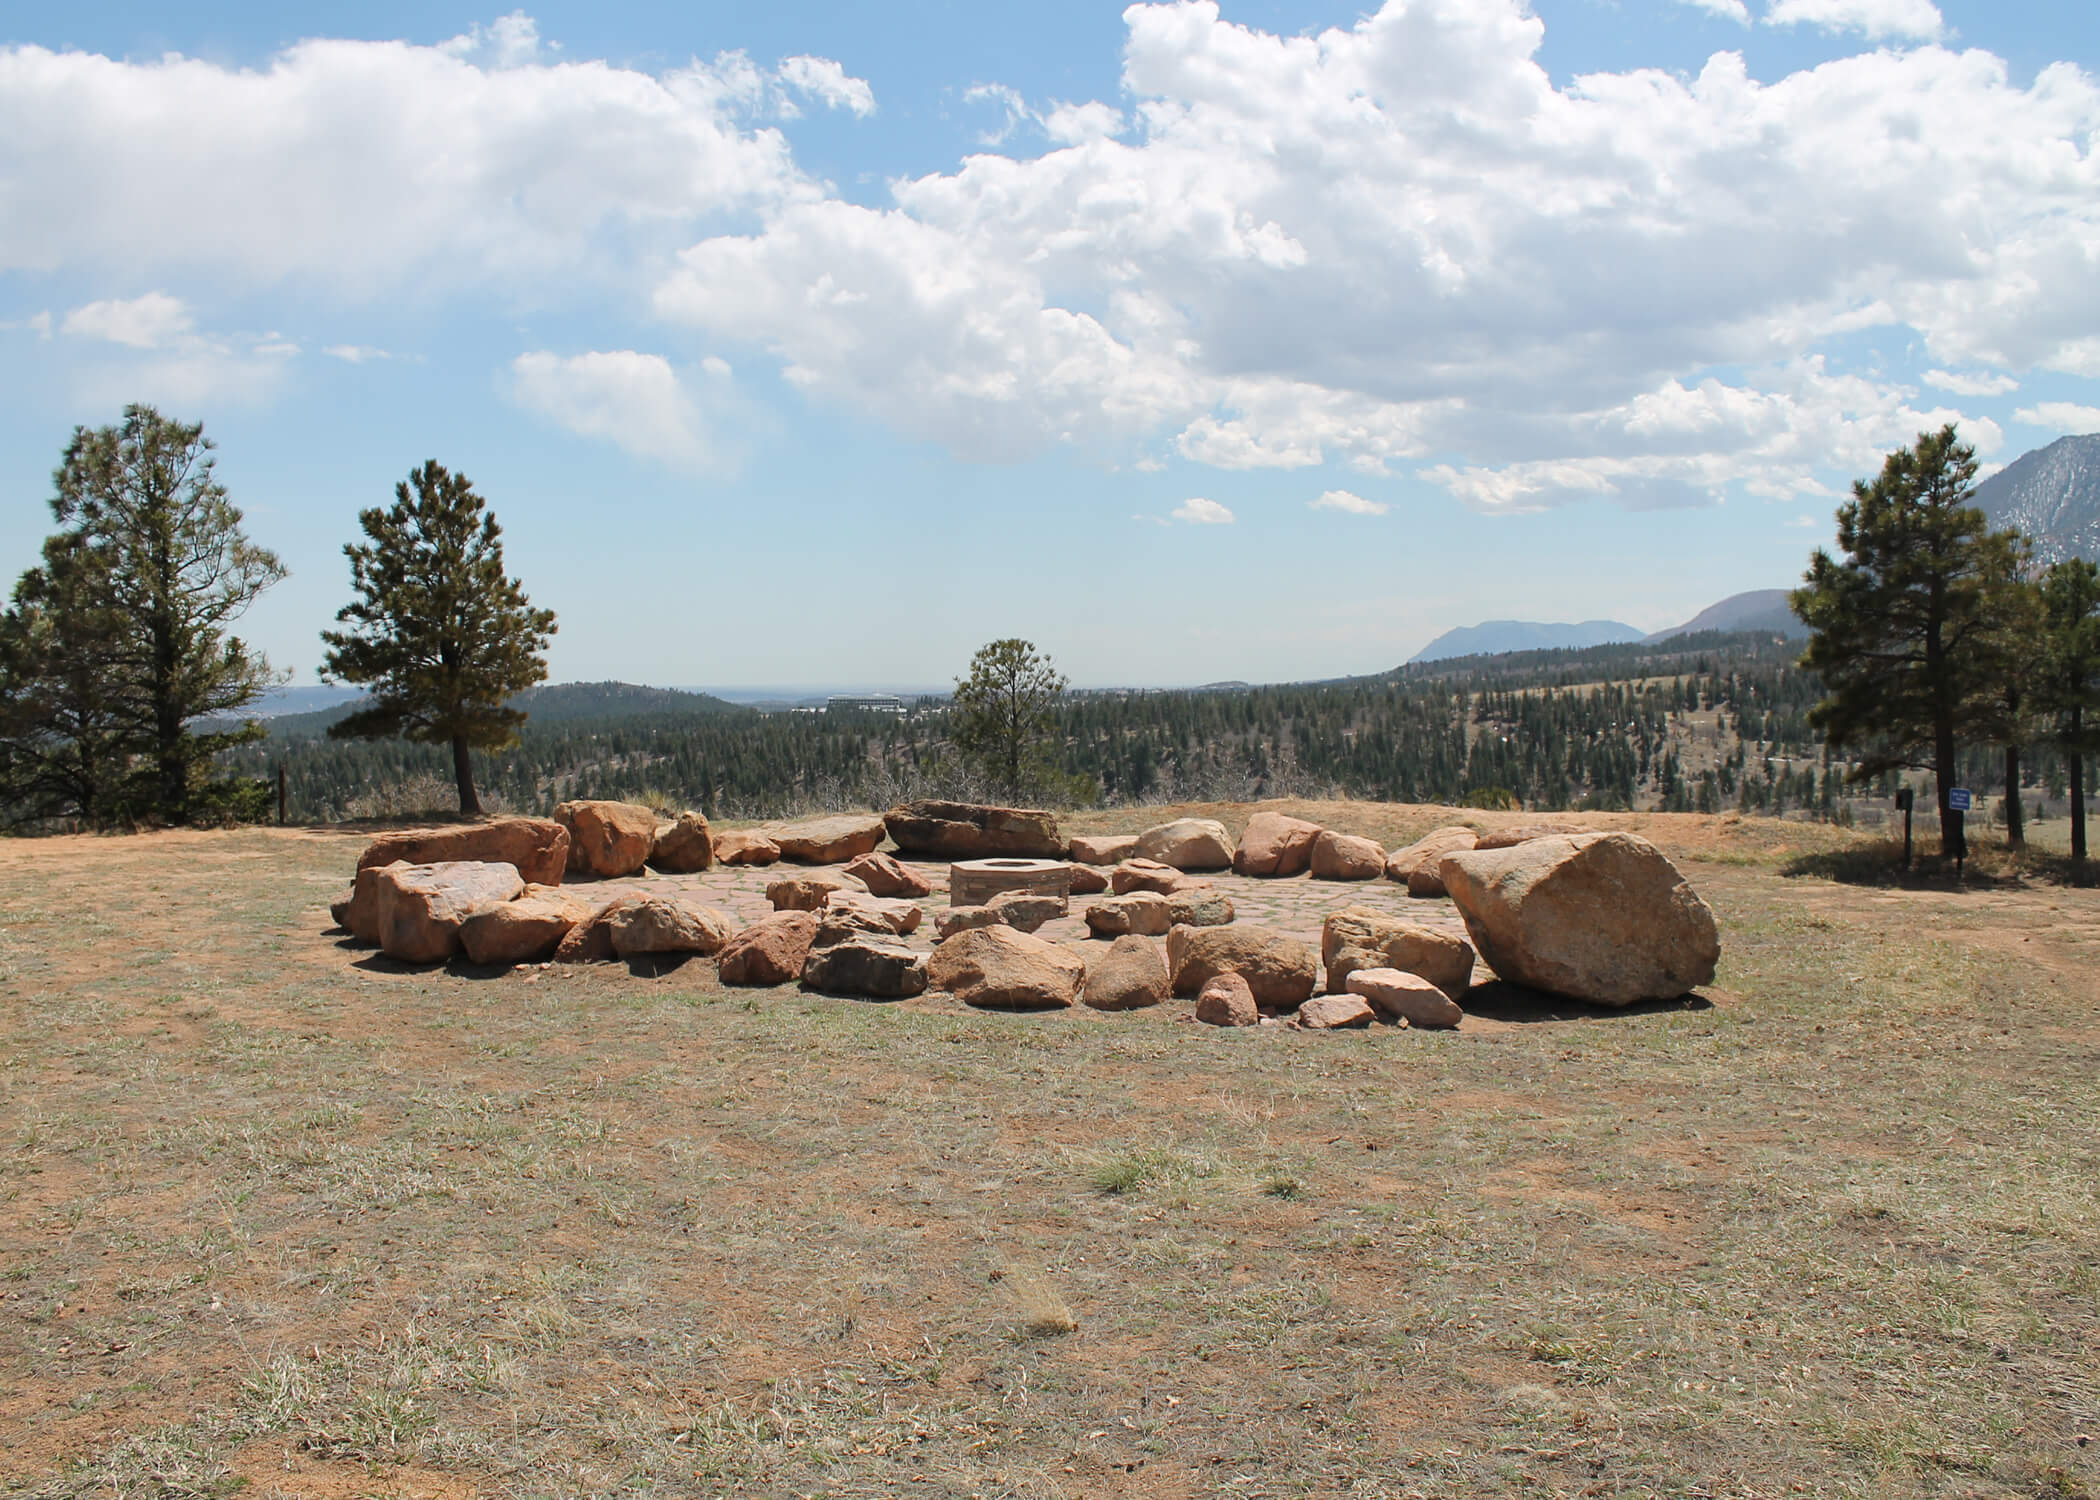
[[866, 703]]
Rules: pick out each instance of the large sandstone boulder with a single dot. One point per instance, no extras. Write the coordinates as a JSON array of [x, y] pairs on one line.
[[1333, 1012], [665, 924], [1362, 937], [899, 917], [828, 841], [999, 968], [865, 967], [1147, 875], [1025, 911], [590, 941], [1141, 913], [1199, 908], [526, 930], [1187, 844], [745, 846], [1419, 865], [1406, 997], [885, 876], [800, 892], [1509, 838], [963, 919], [537, 847], [1280, 970], [1130, 974], [771, 950], [684, 846], [422, 907], [1087, 881], [1226, 1000], [1101, 848], [359, 916], [607, 839], [1344, 856], [1603, 917], [966, 830], [1274, 845]]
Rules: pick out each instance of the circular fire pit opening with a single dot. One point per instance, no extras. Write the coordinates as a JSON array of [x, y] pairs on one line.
[[972, 882]]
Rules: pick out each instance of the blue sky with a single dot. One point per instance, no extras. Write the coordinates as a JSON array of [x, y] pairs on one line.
[[822, 343]]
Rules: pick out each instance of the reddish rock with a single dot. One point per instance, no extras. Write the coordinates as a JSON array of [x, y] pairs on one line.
[[523, 931], [827, 841], [1343, 856], [1405, 997], [1362, 937], [538, 848], [1087, 881], [1418, 866], [1148, 875], [607, 839], [1199, 908], [963, 919], [665, 924], [885, 876], [899, 917], [1227, 1000], [801, 892], [1333, 1012], [1509, 838], [1144, 913], [1130, 974], [1025, 911], [999, 968], [1279, 969], [590, 941], [684, 846], [771, 950], [865, 967], [1101, 848], [745, 846], [1274, 845], [1188, 844], [421, 907], [360, 914], [969, 830]]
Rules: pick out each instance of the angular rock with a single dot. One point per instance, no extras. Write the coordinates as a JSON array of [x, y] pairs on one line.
[[1274, 845], [899, 917], [607, 839], [1405, 997], [828, 841], [771, 950], [1418, 866], [968, 830], [1147, 875], [885, 876], [801, 892], [964, 919], [590, 941], [523, 931], [1101, 848], [1130, 974], [1141, 913], [537, 847], [421, 907], [684, 846], [1362, 937], [1333, 1012], [1188, 844], [1226, 1000], [360, 914], [745, 846], [1088, 881], [865, 967], [1509, 838], [1280, 970], [1343, 856], [1025, 911], [999, 968], [1603, 917], [1199, 908], [665, 924]]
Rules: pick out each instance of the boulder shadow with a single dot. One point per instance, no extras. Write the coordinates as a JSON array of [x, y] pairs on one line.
[[657, 965], [1499, 1000]]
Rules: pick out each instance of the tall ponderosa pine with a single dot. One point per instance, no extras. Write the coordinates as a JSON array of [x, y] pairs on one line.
[[2068, 685], [1004, 708], [1901, 630], [441, 636], [117, 644]]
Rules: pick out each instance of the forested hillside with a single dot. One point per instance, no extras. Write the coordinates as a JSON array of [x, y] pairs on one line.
[[1695, 722]]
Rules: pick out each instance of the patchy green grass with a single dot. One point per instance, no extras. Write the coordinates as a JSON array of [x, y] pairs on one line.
[[274, 1223]]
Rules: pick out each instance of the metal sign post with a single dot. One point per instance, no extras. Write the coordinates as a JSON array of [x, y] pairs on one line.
[[1904, 797], [1956, 841]]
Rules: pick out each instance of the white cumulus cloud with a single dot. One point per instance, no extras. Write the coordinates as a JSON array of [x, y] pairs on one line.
[[1355, 505], [1727, 10], [1913, 20], [635, 401], [2063, 416], [153, 321], [826, 81], [1203, 512], [1985, 384]]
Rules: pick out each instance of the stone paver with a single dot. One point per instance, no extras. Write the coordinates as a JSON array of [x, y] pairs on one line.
[[1296, 905]]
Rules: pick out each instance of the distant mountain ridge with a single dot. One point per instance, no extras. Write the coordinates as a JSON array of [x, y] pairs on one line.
[[550, 703], [1759, 609], [1493, 637], [2053, 495]]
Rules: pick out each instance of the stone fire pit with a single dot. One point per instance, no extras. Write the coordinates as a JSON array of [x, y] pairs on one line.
[[972, 882]]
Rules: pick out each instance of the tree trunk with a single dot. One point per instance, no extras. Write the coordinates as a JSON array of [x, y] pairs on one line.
[[2015, 816], [1943, 771], [463, 773], [2077, 809]]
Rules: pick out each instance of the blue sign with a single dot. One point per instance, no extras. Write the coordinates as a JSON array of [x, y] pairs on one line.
[[1958, 799]]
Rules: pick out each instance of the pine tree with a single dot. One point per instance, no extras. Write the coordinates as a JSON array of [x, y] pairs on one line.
[[2068, 686], [117, 645], [1900, 630], [439, 634], [1004, 708]]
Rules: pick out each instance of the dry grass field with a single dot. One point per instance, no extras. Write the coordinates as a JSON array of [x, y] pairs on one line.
[[277, 1218]]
